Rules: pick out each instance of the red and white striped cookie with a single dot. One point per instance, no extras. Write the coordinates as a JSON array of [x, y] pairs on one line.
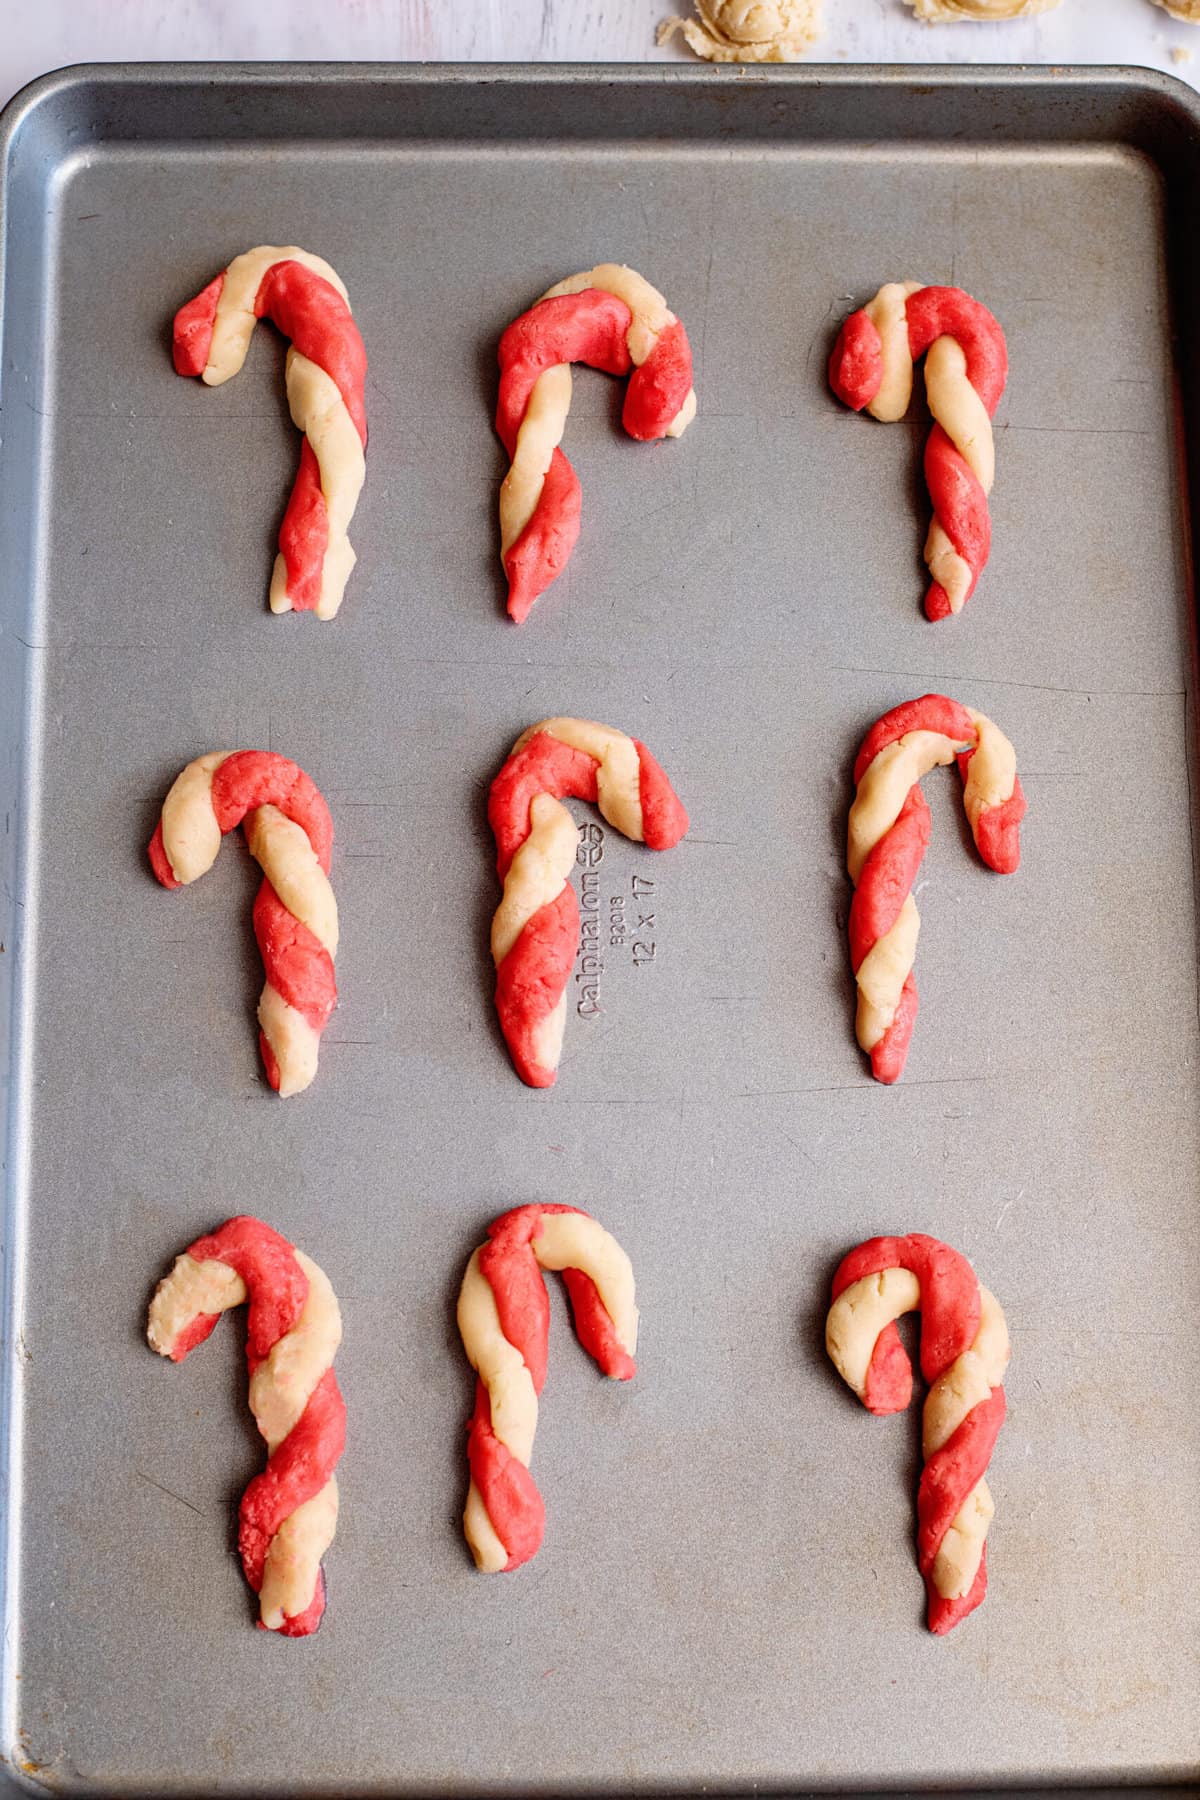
[[290, 835], [326, 370], [288, 1513], [887, 837], [611, 319], [535, 931], [504, 1319], [966, 366], [964, 1353]]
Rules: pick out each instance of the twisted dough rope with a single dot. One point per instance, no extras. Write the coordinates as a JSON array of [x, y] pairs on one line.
[[288, 1514], [964, 1353], [290, 835], [887, 837], [326, 368], [965, 371], [535, 930], [611, 319], [748, 31], [504, 1319]]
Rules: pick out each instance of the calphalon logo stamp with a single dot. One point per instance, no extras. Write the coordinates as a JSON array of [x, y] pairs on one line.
[[589, 856]]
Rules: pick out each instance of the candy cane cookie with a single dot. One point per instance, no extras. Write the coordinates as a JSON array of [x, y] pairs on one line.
[[504, 1320], [535, 931], [966, 366], [326, 370], [611, 319], [964, 1353], [887, 837], [290, 835], [288, 1513]]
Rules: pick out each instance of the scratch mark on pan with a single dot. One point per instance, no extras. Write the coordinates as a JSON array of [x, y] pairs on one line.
[[170, 1492], [1083, 430], [847, 1087], [1034, 687]]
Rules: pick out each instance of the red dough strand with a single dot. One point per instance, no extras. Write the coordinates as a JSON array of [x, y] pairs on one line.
[[664, 816], [932, 712], [510, 1493], [304, 534], [542, 765], [658, 389], [949, 1311], [193, 329], [952, 1327], [590, 328], [531, 981], [888, 877], [960, 505], [934, 312], [252, 778], [311, 312]]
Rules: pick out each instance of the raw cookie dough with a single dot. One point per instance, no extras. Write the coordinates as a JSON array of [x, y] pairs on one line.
[[504, 1319], [965, 371], [611, 319], [535, 931], [964, 1353], [887, 838], [326, 370], [288, 1513], [954, 12], [749, 31], [290, 835]]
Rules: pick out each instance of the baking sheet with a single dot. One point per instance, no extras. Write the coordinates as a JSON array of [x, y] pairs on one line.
[[727, 1594]]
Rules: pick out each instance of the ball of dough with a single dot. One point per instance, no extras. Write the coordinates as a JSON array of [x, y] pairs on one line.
[[954, 12], [749, 31]]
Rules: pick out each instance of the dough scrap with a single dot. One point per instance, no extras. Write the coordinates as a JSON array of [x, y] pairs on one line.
[[749, 31]]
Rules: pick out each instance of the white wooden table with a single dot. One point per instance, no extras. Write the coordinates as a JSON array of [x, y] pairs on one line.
[[48, 33]]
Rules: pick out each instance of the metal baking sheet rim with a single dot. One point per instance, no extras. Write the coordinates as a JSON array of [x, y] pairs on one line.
[[1164, 122]]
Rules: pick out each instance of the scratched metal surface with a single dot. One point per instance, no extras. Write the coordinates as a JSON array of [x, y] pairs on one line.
[[727, 1594]]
